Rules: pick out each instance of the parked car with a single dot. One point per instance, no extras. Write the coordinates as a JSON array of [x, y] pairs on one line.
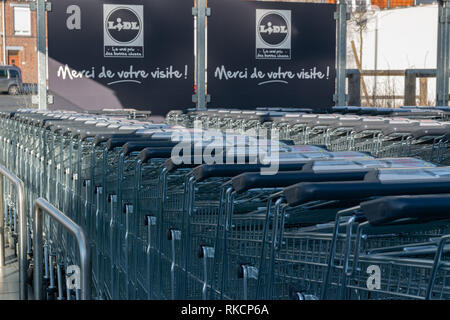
[[10, 80]]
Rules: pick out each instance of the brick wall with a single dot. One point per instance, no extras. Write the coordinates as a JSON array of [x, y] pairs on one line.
[[24, 47], [382, 4]]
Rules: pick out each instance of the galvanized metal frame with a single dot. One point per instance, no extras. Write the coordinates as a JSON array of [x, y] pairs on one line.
[[41, 6], [23, 262], [42, 206], [443, 54], [200, 11], [341, 17]]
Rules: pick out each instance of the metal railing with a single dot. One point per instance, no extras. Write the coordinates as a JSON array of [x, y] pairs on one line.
[[409, 97], [29, 88], [43, 206], [23, 262]]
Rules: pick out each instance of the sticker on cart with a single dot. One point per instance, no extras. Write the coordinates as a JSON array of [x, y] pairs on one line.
[[309, 116], [96, 123], [402, 121], [328, 116], [374, 119], [220, 144], [349, 117], [335, 165], [300, 149], [440, 172], [170, 135], [293, 115], [287, 157], [347, 165], [293, 157], [129, 127], [396, 175], [430, 124], [409, 163], [350, 154], [318, 155], [148, 131]]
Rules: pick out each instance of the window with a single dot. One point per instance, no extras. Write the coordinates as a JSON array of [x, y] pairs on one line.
[[3, 74], [22, 21]]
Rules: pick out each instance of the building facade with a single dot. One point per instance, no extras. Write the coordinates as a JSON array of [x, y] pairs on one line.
[[382, 4], [18, 43]]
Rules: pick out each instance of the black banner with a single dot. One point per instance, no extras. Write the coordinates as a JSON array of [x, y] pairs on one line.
[[121, 54], [271, 54]]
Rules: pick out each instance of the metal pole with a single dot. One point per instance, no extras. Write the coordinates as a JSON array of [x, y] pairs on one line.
[[42, 54], [201, 12], [43, 206], [376, 61], [4, 32], [37, 272], [341, 17], [439, 75], [443, 54], [23, 262]]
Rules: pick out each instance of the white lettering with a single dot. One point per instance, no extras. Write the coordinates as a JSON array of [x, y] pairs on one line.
[[73, 22]]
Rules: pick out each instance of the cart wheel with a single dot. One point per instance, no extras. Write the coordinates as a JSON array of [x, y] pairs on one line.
[[13, 90], [29, 279]]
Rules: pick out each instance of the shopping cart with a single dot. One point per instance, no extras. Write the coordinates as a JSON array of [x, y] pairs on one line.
[[415, 270], [172, 216], [203, 201], [314, 212], [324, 271], [240, 228]]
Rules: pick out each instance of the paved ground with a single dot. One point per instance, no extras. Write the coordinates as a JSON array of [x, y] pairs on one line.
[[8, 102], [9, 278]]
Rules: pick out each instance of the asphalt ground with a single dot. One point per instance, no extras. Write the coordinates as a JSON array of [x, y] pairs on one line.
[[8, 102]]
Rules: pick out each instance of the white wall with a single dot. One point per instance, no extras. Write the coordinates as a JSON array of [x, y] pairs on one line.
[[407, 38]]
